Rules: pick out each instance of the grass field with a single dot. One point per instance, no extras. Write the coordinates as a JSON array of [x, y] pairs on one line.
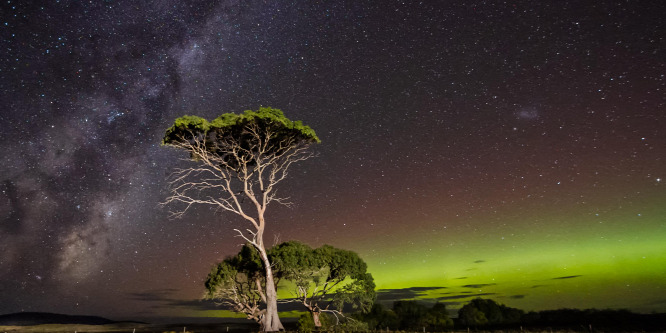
[[204, 328], [128, 327], [134, 327]]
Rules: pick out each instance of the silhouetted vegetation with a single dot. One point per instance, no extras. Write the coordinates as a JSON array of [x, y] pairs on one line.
[[408, 315], [378, 319], [486, 312], [488, 315], [40, 318], [595, 320]]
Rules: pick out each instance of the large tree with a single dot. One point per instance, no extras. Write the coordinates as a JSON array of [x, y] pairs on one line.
[[323, 280], [239, 159]]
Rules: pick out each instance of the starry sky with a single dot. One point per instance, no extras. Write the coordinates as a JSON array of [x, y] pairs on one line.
[[510, 150]]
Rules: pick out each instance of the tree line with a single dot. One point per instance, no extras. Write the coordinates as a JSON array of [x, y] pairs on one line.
[[487, 314]]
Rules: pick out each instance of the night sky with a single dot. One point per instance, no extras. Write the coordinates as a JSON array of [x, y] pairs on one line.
[[510, 150]]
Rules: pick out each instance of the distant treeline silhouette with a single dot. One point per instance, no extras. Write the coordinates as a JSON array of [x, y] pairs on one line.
[[39, 318], [486, 314], [593, 320]]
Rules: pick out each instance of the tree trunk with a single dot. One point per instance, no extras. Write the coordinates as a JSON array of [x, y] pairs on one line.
[[315, 318], [271, 320]]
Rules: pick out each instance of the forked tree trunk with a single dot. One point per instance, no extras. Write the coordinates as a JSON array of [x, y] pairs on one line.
[[271, 320]]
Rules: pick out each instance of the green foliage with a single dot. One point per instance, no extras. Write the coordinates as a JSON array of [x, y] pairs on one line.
[[412, 315], [192, 123], [378, 317], [437, 318], [248, 260], [471, 316], [235, 125], [324, 272], [352, 326], [480, 312], [238, 141], [306, 323], [329, 275], [293, 260], [221, 275], [342, 263], [238, 271], [360, 294], [415, 316], [408, 315]]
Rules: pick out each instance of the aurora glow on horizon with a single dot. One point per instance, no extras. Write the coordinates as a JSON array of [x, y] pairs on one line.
[[511, 151]]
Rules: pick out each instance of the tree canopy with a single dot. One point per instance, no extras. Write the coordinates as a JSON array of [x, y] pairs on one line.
[[230, 123], [325, 279], [240, 138], [238, 283]]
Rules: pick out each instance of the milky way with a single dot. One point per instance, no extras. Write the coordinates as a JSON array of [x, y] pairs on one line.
[[509, 150]]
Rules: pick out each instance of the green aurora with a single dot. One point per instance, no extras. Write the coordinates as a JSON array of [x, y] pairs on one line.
[[575, 260]]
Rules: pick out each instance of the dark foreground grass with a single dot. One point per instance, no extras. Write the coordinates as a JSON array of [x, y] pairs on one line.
[[222, 328], [129, 327]]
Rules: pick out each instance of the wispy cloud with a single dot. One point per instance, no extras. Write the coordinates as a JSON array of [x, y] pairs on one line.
[[405, 293], [566, 277], [446, 298], [482, 285], [165, 298]]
